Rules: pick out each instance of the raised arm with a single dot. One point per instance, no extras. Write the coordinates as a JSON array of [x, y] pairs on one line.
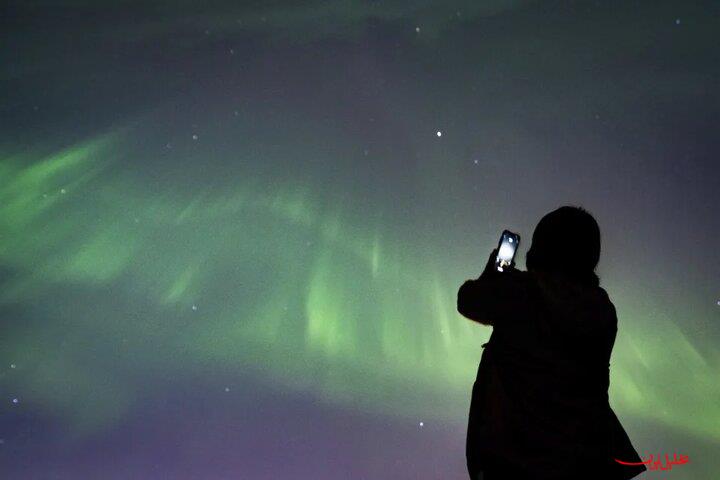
[[490, 298]]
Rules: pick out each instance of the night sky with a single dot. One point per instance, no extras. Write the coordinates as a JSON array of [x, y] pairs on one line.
[[232, 233]]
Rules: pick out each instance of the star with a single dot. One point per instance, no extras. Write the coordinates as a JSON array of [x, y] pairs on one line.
[[227, 389], [194, 137], [417, 29], [15, 401], [12, 365], [422, 424], [677, 21], [194, 307], [475, 161], [439, 133]]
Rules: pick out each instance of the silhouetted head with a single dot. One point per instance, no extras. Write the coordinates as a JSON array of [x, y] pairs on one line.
[[567, 241]]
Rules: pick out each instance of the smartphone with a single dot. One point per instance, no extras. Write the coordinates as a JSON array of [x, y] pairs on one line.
[[507, 247]]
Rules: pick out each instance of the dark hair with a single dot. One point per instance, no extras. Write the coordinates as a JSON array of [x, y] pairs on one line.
[[566, 240]]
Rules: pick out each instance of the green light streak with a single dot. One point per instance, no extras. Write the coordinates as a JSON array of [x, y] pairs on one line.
[[354, 316]]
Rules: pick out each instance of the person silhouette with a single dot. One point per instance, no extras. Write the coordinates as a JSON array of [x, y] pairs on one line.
[[539, 408]]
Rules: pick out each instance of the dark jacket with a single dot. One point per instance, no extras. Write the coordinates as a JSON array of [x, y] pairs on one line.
[[540, 400]]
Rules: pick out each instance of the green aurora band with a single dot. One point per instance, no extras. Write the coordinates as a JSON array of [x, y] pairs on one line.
[[226, 281]]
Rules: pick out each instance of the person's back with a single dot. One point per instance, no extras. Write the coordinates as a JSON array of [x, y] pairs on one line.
[[539, 403]]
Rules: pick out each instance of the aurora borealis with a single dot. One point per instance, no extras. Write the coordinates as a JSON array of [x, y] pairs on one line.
[[231, 237]]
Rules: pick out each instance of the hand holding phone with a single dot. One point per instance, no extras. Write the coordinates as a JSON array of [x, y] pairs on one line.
[[507, 248]]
